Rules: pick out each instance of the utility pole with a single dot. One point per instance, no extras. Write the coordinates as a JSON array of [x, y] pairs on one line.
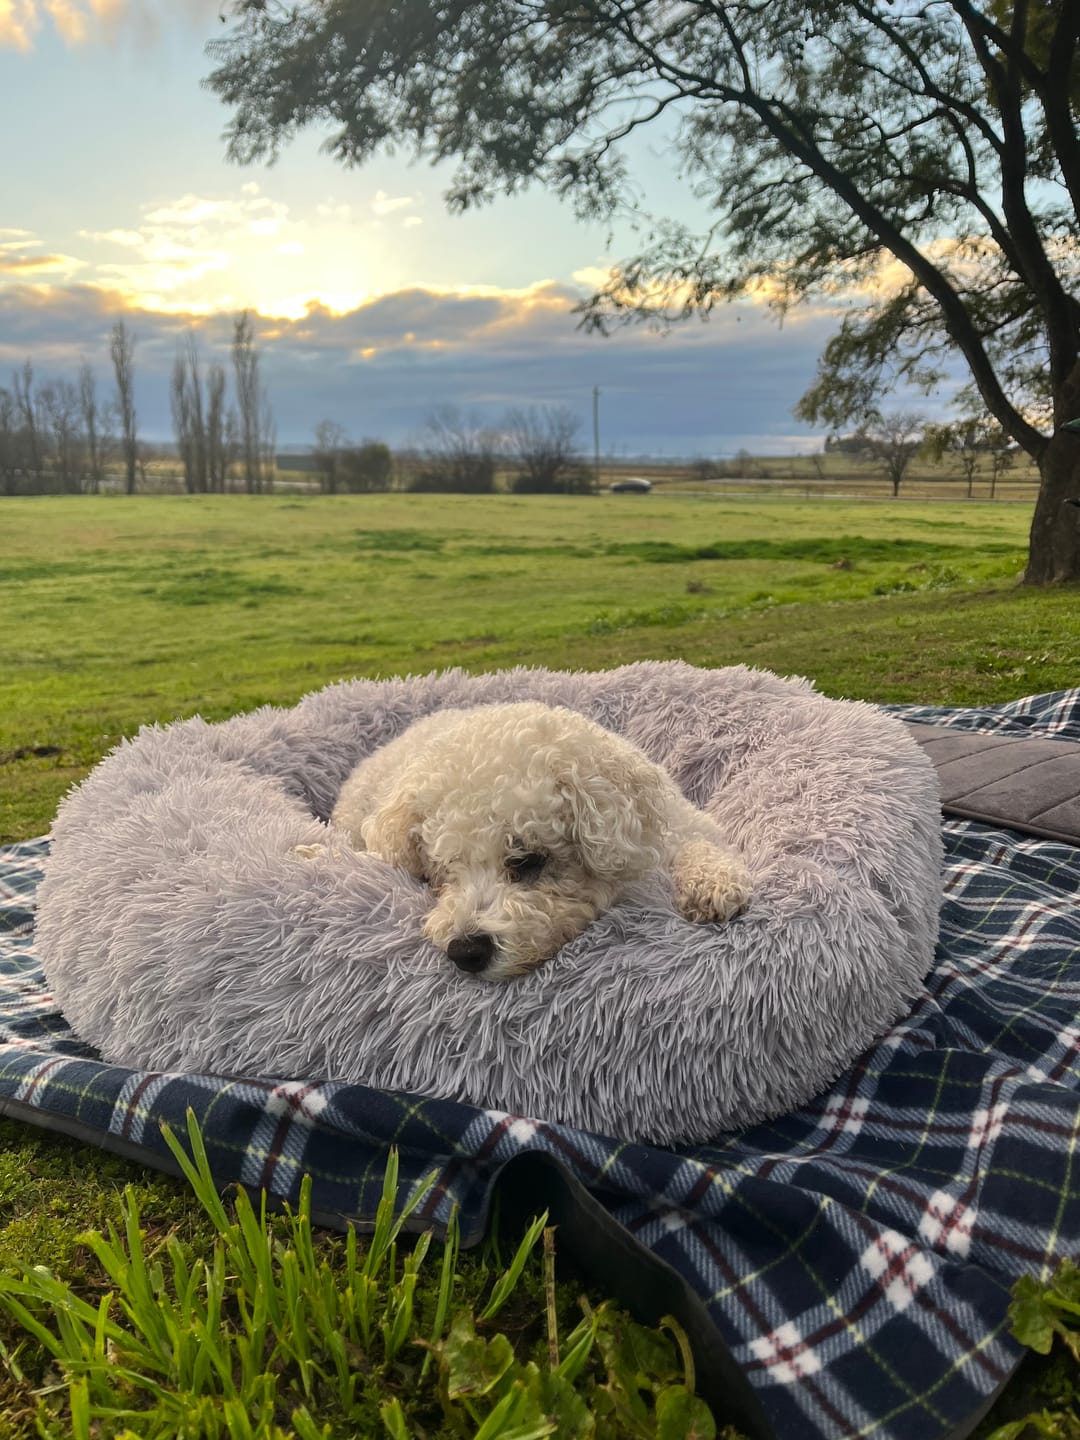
[[596, 432]]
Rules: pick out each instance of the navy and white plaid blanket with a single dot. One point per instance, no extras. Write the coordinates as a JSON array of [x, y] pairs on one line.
[[856, 1256]]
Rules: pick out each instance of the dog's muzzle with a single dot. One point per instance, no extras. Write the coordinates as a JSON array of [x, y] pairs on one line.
[[471, 952]]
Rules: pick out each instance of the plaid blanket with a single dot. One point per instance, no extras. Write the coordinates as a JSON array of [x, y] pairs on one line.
[[855, 1256]]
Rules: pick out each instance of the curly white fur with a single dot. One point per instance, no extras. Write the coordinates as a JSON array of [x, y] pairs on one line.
[[528, 820]]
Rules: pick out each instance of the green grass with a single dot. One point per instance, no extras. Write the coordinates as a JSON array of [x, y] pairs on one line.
[[268, 1331], [124, 611], [120, 612]]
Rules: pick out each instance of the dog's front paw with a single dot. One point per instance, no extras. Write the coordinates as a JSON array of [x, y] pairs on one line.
[[317, 852], [710, 883]]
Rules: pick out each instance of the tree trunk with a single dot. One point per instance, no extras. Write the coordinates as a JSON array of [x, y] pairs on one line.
[[1054, 553]]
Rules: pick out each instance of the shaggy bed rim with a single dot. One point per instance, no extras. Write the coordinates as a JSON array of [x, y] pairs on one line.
[[180, 932]]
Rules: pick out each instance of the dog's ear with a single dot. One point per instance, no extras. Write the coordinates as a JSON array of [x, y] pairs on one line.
[[619, 804], [393, 833]]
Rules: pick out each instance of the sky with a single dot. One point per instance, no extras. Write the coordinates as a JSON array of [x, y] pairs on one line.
[[374, 305]]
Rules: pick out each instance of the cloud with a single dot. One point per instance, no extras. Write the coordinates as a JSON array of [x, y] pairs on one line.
[[130, 238], [71, 20], [196, 213], [180, 242], [19, 22], [78, 22], [267, 224], [384, 204], [37, 264], [217, 249], [384, 365], [380, 362], [18, 256]]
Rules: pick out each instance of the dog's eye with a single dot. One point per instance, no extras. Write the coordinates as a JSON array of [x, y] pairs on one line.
[[525, 867]]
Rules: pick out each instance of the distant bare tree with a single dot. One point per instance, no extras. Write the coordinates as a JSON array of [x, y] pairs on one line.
[[93, 428], [122, 353], [267, 441], [702, 469], [964, 441], [108, 435], [33, 450], [1001, 458], [232, 441], [9, 442], [543, 443], [747, 467], [249, 401], [459, 455], [330, 441], [969, 463], [894, 440], [198, 418], [59, 404], [969, 441], [366, 467], [180, 404], [217, 462], [189, 415]]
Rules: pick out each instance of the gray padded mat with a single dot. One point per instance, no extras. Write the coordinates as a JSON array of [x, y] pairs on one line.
[[1021, 784]]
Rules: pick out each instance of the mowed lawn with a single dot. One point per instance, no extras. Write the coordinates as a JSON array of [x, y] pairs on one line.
[[121, 611]]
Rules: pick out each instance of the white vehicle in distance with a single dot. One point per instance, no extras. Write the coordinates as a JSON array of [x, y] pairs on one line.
[[632, 485]]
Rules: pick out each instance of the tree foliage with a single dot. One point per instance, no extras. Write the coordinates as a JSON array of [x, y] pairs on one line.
[[830, 140]]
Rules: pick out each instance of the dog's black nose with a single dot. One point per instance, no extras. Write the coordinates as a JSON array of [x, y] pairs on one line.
[[471, 952]]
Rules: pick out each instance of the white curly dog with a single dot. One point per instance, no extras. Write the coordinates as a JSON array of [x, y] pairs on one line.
[[527, 821]]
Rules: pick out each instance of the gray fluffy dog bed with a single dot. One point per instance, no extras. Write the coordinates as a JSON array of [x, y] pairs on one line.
[[179, 932]]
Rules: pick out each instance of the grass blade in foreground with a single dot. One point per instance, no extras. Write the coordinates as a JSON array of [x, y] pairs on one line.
[[281, 1332]]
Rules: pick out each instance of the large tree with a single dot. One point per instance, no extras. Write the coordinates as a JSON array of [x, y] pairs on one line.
[[828, 138]]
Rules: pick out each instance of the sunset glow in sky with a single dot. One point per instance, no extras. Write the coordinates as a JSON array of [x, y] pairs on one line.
[[375, 305]]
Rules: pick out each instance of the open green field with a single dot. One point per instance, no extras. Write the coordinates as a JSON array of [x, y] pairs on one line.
[[121, 611]]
